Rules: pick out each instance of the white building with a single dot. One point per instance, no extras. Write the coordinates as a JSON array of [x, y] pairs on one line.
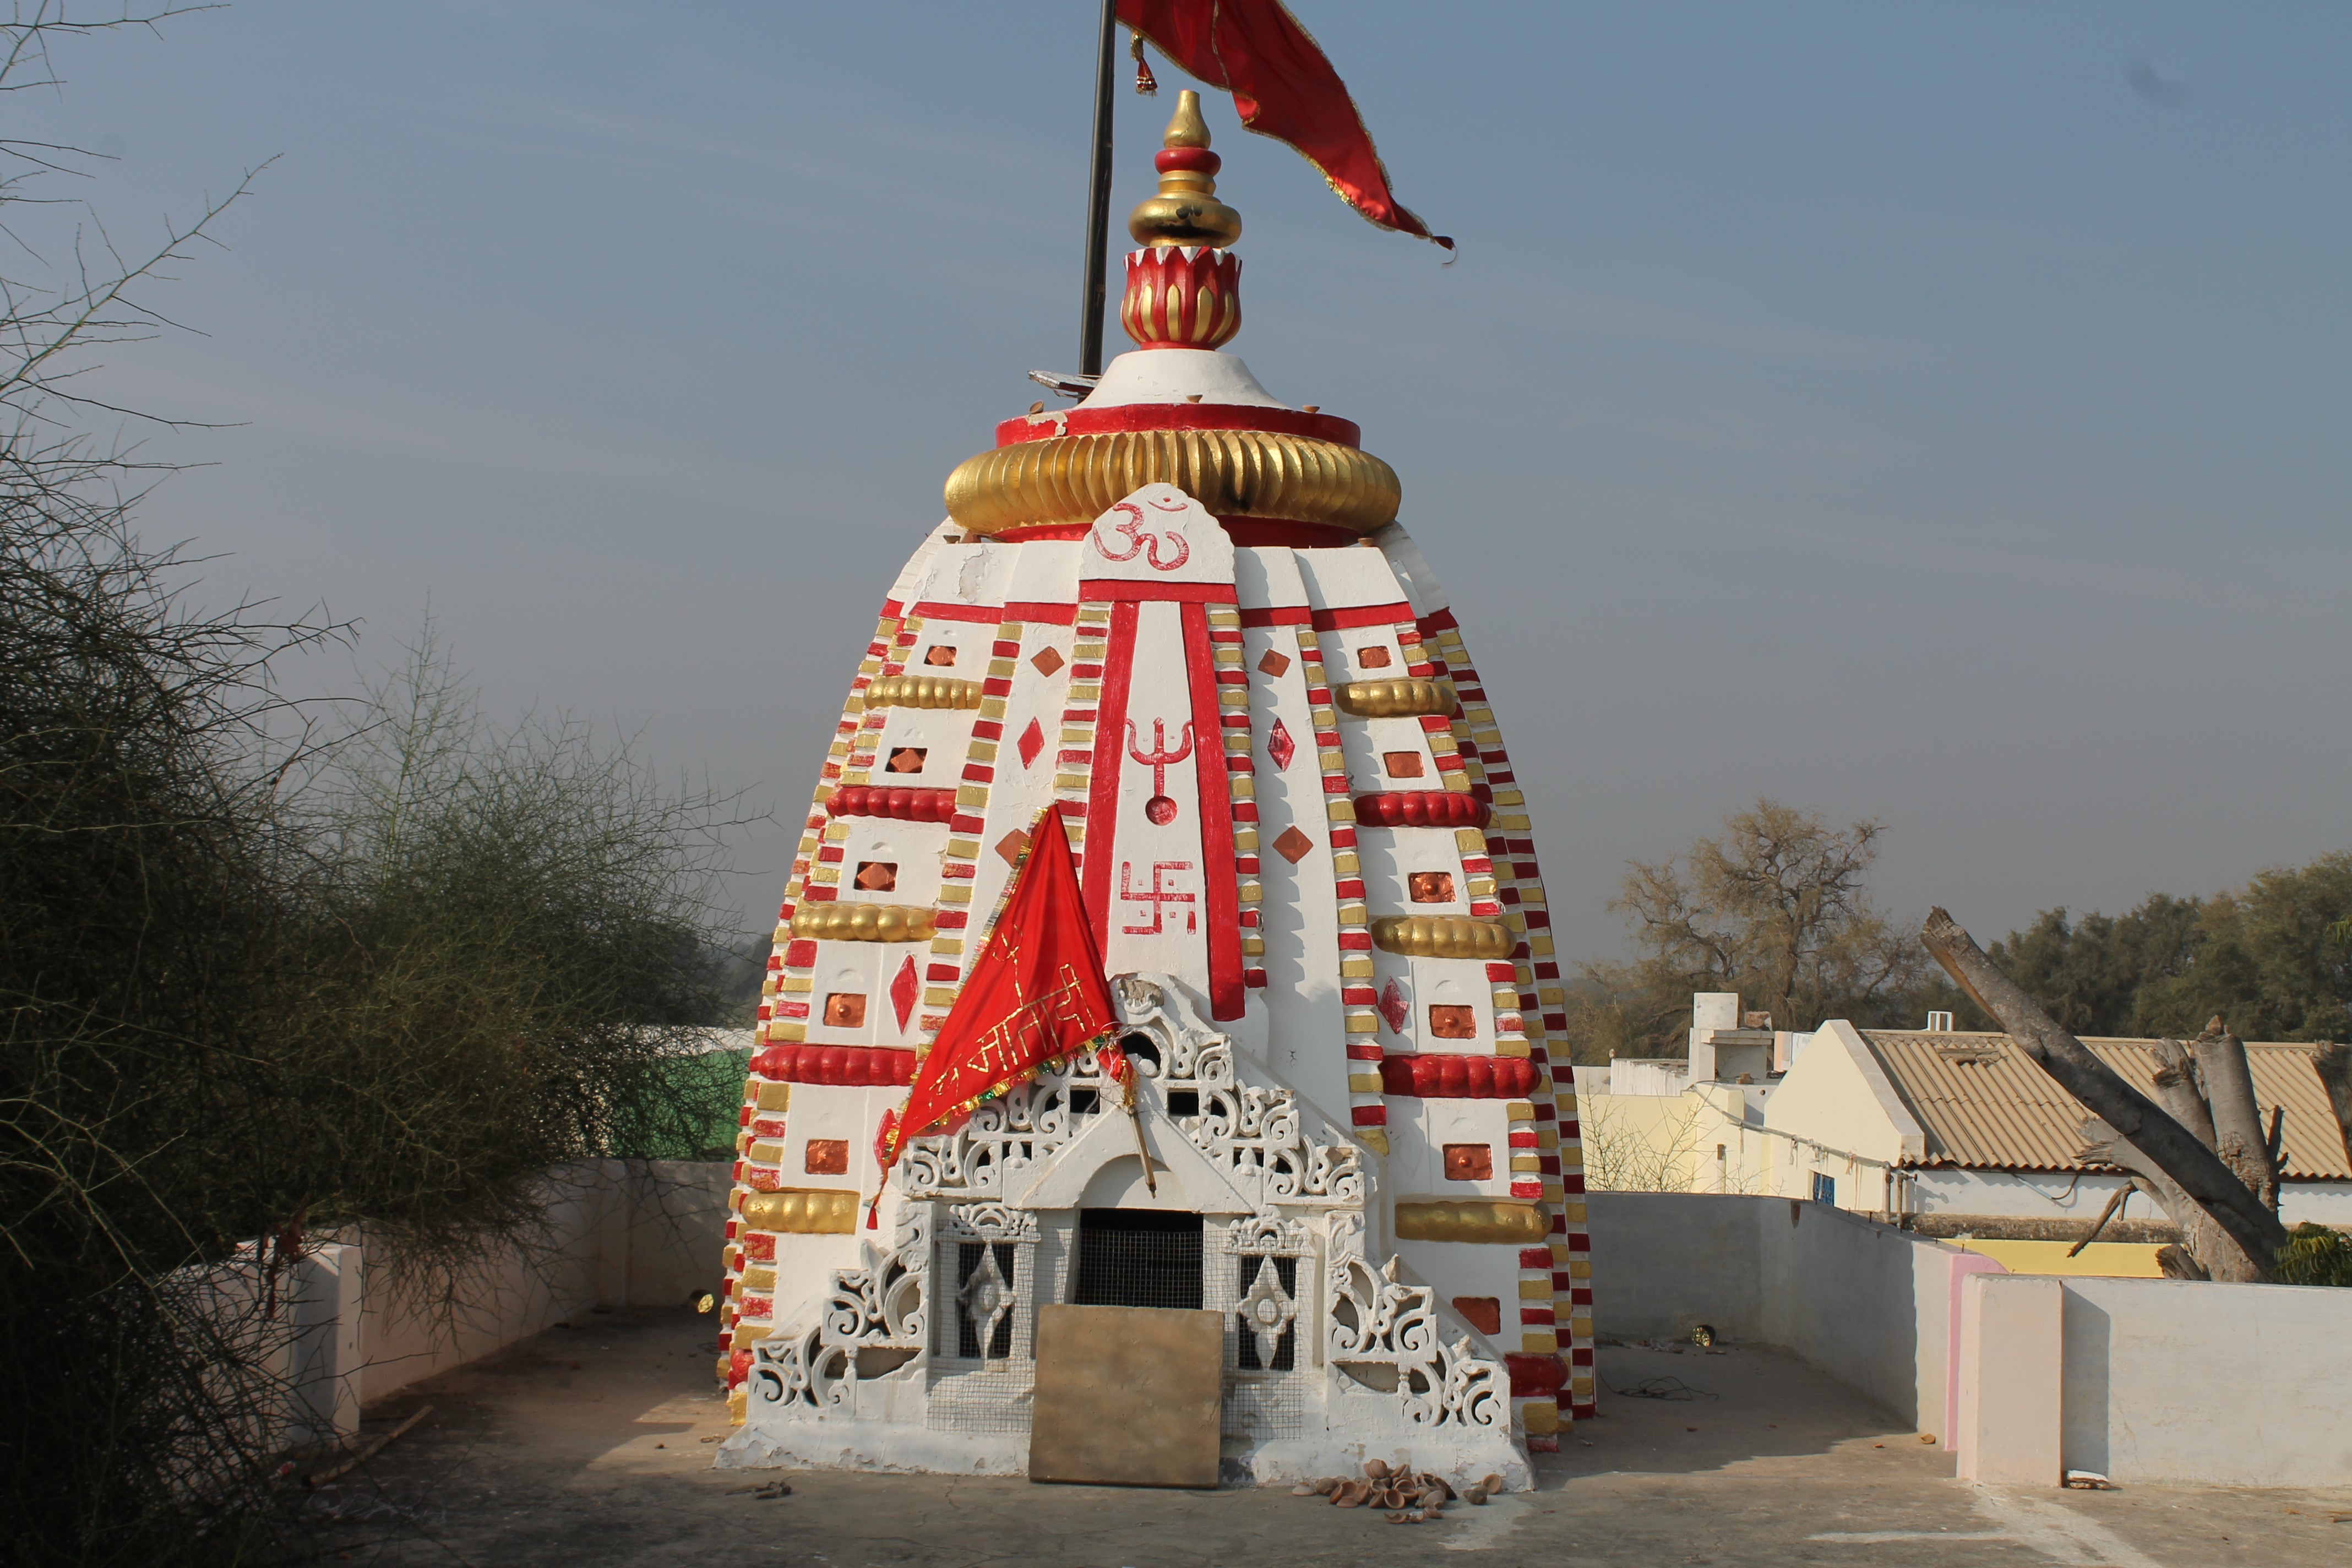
[[1947, 1133]]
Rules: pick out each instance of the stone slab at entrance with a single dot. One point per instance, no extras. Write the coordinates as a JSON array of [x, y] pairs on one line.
[[1128, 1396]]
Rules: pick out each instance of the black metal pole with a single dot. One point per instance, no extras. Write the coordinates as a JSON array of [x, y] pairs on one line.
[[1090, 331]]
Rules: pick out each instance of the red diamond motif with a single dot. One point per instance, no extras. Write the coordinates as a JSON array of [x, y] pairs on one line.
[[1393, 1006], [1275, 662], [1293, 845], [906, 991], [1280, 746], [1033, 740]]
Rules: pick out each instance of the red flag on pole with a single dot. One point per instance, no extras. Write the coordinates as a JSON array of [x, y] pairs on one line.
[[1283, 87], [1036, 997]]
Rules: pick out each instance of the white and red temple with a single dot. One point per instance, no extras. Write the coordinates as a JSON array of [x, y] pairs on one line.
[[1185, 610]]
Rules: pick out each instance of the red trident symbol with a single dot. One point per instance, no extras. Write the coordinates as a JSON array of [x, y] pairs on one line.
[[1160, 808]]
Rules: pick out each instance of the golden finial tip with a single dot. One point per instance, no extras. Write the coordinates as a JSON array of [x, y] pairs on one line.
[[1186, 128], [1186, 210]]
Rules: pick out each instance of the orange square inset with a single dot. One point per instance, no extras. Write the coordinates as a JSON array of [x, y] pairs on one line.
[[908, 759], [826, 1157], [846, 1010], [1484, 1313], [1430, 887], [1293, 845], [1401, 764], [1009, 847], [1373, 658], [1469, 1162], [878, 876], [1274, 662], [938, 654], [1046, 661], [1447, 1021]]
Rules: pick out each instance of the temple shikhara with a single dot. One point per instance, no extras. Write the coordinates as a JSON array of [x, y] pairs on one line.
[[1179, 624]]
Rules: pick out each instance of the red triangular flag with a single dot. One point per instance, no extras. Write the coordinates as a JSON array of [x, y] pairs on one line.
[[1036, 997], [1283, 87]]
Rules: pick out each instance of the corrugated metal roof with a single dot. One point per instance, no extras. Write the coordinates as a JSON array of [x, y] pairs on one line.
[[1985, 1104]]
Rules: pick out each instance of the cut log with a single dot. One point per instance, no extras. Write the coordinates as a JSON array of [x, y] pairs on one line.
[[2237, 1118], [2332, 1061], [2196, 1171]]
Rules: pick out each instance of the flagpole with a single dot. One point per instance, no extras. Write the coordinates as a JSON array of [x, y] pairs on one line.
[[1091, 328], [1142, 1150]]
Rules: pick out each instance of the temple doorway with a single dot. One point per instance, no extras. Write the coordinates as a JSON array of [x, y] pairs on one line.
[[1139, 1257]]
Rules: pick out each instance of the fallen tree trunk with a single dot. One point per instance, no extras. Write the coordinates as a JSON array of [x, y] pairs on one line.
[[2215, 1252], [2196, 1172]]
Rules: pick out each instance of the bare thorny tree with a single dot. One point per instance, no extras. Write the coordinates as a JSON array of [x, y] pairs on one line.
[[268, 969]]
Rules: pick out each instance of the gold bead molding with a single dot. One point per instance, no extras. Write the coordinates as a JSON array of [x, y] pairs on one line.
[[1400, 699], [865, 922], [922, 691], [1232, 473], [1519, 1225], [1442, 936], [803, 1210]]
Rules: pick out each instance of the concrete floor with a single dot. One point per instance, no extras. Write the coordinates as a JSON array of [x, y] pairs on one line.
[[591, 1445]]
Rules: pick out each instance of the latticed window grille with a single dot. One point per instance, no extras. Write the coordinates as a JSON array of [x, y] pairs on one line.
[[1139, 1257]]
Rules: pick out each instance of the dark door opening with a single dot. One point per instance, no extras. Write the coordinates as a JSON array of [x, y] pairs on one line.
[[1138, 1257]]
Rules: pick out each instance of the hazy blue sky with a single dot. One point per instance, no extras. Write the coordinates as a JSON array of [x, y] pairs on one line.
[[1935, 413]]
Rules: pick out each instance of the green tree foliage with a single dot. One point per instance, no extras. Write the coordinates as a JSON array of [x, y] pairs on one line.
[[2270, 957], [2316, 1256]]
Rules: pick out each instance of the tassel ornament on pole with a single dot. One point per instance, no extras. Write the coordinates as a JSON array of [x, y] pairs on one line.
[[1146, 84]]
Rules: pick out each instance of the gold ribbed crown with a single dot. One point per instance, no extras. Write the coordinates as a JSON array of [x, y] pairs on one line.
[[1186, 210]]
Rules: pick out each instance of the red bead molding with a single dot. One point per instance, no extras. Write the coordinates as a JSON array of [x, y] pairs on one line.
[[1424, 808], [894, 801], [1445, 1075], [855, 1067]]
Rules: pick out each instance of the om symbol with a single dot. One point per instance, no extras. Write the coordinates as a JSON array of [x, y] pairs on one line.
[[1144, 540]]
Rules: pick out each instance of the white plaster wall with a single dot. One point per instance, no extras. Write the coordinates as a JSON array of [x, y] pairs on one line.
[[2317, 1203], [619, 1234], [1471, 1269], [2171, 1380], [1298, 917], [2020, 1195], [1418, 1130], [1866, 1303], [1837, 1096]]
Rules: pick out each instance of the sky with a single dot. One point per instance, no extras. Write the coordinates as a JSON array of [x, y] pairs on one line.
[[1931, 414]]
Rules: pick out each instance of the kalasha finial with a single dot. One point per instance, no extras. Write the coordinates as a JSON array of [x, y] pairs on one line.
[[1183, 287], [1186, 210]]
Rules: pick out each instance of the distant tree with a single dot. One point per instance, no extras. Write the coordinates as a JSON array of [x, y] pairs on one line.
[[2273, 957], [2266, 957], [1775, 906], [2089, 972]]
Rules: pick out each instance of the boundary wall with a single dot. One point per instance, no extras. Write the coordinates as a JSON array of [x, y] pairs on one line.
[[2021, 1377], [619, 1232]]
